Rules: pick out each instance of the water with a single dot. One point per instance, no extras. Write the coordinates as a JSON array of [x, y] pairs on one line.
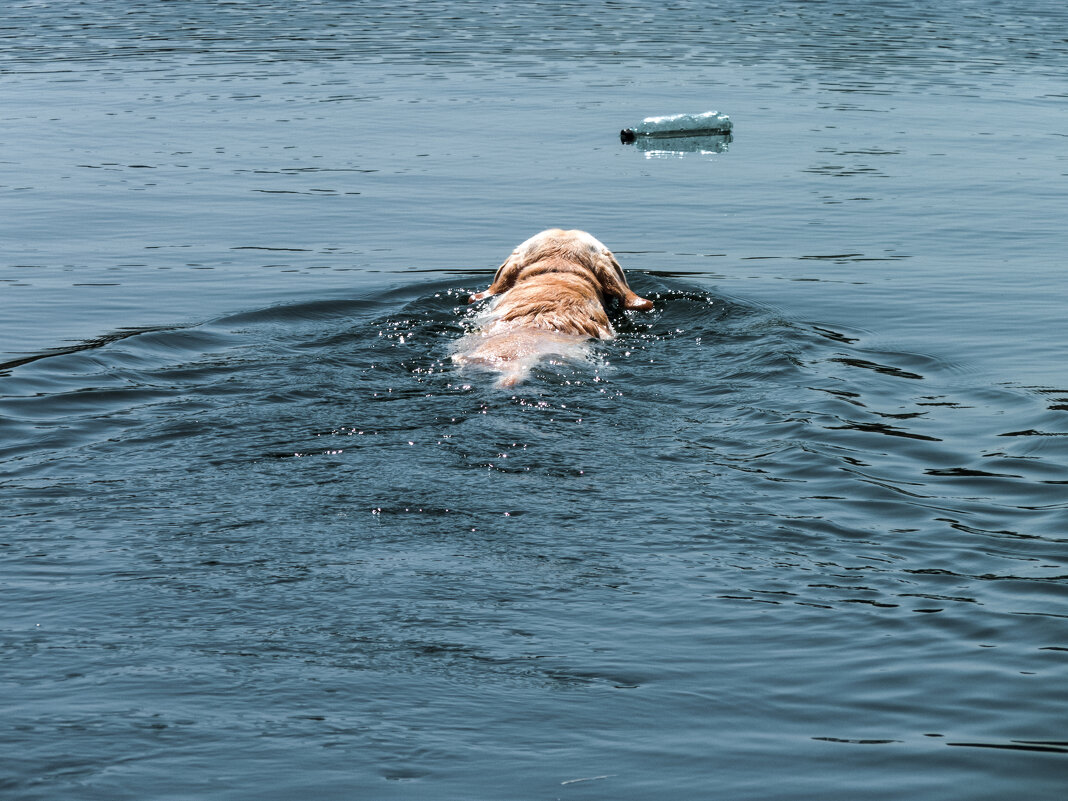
[[799, 532]]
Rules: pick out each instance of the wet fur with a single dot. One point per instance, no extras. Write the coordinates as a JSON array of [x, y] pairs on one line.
[[552, 295]]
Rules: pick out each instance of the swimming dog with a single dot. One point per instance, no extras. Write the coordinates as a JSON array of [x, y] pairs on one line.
[[552, 296]]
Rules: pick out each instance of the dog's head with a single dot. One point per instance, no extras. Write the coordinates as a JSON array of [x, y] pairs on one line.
[[576, 247]]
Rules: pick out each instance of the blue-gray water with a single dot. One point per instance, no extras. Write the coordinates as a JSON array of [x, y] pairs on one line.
[[801, 532]]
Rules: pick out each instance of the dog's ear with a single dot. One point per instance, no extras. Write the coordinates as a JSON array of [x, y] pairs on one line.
[[503, 280], [614, 283]]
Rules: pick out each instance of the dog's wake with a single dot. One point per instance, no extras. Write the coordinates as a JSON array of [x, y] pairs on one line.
[[513, 353]]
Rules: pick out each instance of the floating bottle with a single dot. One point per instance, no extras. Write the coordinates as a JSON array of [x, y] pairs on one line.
[[673, 125]]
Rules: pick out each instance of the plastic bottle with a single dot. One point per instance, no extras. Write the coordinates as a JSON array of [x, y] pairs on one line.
[[706, 124]]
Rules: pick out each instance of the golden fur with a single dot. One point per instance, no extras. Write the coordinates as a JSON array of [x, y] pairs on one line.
[[553, 292]]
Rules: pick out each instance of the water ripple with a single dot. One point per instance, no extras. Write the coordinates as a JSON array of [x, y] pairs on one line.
[[840, 45]]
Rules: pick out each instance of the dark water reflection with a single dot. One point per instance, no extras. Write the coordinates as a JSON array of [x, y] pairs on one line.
[[358, 556], [797, 533]]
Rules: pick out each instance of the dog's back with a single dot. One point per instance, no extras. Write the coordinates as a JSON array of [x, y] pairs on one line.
[[552, 297]]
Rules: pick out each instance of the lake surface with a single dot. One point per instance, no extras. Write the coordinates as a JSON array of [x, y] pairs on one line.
[[799, 532]]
